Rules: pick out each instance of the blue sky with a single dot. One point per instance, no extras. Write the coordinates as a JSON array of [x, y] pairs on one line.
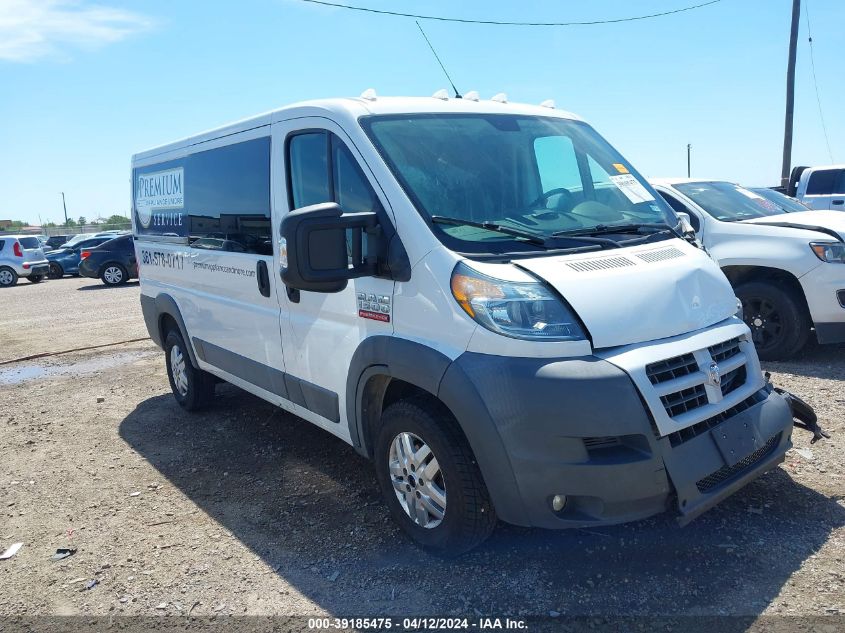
[[83, 85]]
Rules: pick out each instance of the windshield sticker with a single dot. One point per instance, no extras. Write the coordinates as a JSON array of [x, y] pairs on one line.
[[632, 188], [621, 168]]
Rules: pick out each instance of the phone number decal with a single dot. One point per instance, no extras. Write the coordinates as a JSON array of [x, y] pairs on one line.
[[162, 259]]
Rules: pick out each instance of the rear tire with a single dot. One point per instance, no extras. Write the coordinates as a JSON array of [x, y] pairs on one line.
[[192, 387], [114, 275], [8, 277], [56, 271], [779, 325], [36, 279], [420, 438]]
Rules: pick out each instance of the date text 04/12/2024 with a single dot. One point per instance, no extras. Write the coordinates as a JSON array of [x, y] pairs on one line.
[[417, 624]]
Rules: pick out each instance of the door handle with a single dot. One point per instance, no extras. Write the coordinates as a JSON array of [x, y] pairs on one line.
[[837, 202], [263, 278]]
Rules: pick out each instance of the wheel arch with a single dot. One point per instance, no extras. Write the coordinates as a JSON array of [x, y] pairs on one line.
[[386, 369], [160, 314], [740, 274]]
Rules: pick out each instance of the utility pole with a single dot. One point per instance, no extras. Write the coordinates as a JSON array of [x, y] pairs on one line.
[[689, 172], [64, 206], [790, 95]]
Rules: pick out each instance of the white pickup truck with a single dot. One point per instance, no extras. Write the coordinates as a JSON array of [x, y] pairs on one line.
[[820, 188], [786, 265]]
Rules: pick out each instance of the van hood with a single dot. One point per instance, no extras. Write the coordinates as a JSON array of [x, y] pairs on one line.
[[831, 220], [640, 293]]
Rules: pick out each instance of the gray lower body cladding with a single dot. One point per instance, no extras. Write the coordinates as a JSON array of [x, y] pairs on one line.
[[577, 427]]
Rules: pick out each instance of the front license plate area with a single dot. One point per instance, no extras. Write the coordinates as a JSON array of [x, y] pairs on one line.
[[736, 439]]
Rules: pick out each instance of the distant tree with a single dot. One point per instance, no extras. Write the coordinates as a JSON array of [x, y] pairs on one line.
[[82, 221], [70, 222], [50, 225], [118, 219], [16, 224]]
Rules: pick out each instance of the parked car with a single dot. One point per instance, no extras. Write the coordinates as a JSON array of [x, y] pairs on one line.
[[112, 261], [484, 298], [819, 187], [787, 203], [55, 241], [65, 260], [21, 256], [786, 267]]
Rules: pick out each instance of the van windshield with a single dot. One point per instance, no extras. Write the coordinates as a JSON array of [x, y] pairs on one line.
[[530, 179], [728, 202]]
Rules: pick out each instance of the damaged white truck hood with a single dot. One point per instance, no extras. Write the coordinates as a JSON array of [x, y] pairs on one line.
[[640, 293]]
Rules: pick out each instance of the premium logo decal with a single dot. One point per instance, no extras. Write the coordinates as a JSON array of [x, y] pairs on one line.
[[375, 307], [158, 192]]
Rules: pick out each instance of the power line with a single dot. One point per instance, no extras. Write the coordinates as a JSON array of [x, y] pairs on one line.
[[338, 5], [816, 81]]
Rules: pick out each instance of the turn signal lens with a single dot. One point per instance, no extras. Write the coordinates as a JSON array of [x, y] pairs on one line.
[[84, 255], [831, 252], [518, 309]]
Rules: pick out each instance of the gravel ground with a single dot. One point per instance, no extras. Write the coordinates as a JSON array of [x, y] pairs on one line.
[[244, 509], [45, 320]]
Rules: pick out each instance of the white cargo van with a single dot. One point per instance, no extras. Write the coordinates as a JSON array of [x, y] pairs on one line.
[[484, 298]]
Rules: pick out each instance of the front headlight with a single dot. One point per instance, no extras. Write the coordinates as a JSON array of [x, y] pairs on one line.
[[831, 252], [524, 310]]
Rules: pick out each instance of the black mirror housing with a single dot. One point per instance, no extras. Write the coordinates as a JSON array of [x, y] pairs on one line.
[[317, 257]]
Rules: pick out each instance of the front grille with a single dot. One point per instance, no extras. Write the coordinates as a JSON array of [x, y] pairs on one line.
[[671, 368], [684, 400], [684, 435], [724, 351], [727, 473], [733, 380], [685, 382]]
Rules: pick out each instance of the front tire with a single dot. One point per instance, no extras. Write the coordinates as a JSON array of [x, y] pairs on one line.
[[193, 388], [779, 326], [114, 275], [56, 271], [430, 479], [35, 279], [8, 277]]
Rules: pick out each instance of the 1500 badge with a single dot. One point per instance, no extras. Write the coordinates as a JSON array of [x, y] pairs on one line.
[[375, 307]]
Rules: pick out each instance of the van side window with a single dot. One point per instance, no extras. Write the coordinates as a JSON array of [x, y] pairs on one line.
[[308, 160], [823, 182]]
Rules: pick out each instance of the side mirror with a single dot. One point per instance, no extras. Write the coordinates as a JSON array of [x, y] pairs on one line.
[[314, 254], [686, 224]]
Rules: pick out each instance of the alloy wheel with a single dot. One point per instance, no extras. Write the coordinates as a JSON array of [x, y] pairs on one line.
[[178, 370], [6, 278], [113, 275], [417, 480]]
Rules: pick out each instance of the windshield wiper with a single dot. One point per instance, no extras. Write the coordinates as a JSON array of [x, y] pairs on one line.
[[540, 240], [605, 229], [491, 226]]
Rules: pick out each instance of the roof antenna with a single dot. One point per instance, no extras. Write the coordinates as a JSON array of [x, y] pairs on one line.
[[457, 94]]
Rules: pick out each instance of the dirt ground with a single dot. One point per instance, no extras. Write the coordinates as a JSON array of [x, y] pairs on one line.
[[244, 509]]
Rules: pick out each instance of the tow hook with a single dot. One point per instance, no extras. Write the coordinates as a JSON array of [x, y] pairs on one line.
[[802, 413]]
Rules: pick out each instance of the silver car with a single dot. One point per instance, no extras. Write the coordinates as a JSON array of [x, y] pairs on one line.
[[21, 256]]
